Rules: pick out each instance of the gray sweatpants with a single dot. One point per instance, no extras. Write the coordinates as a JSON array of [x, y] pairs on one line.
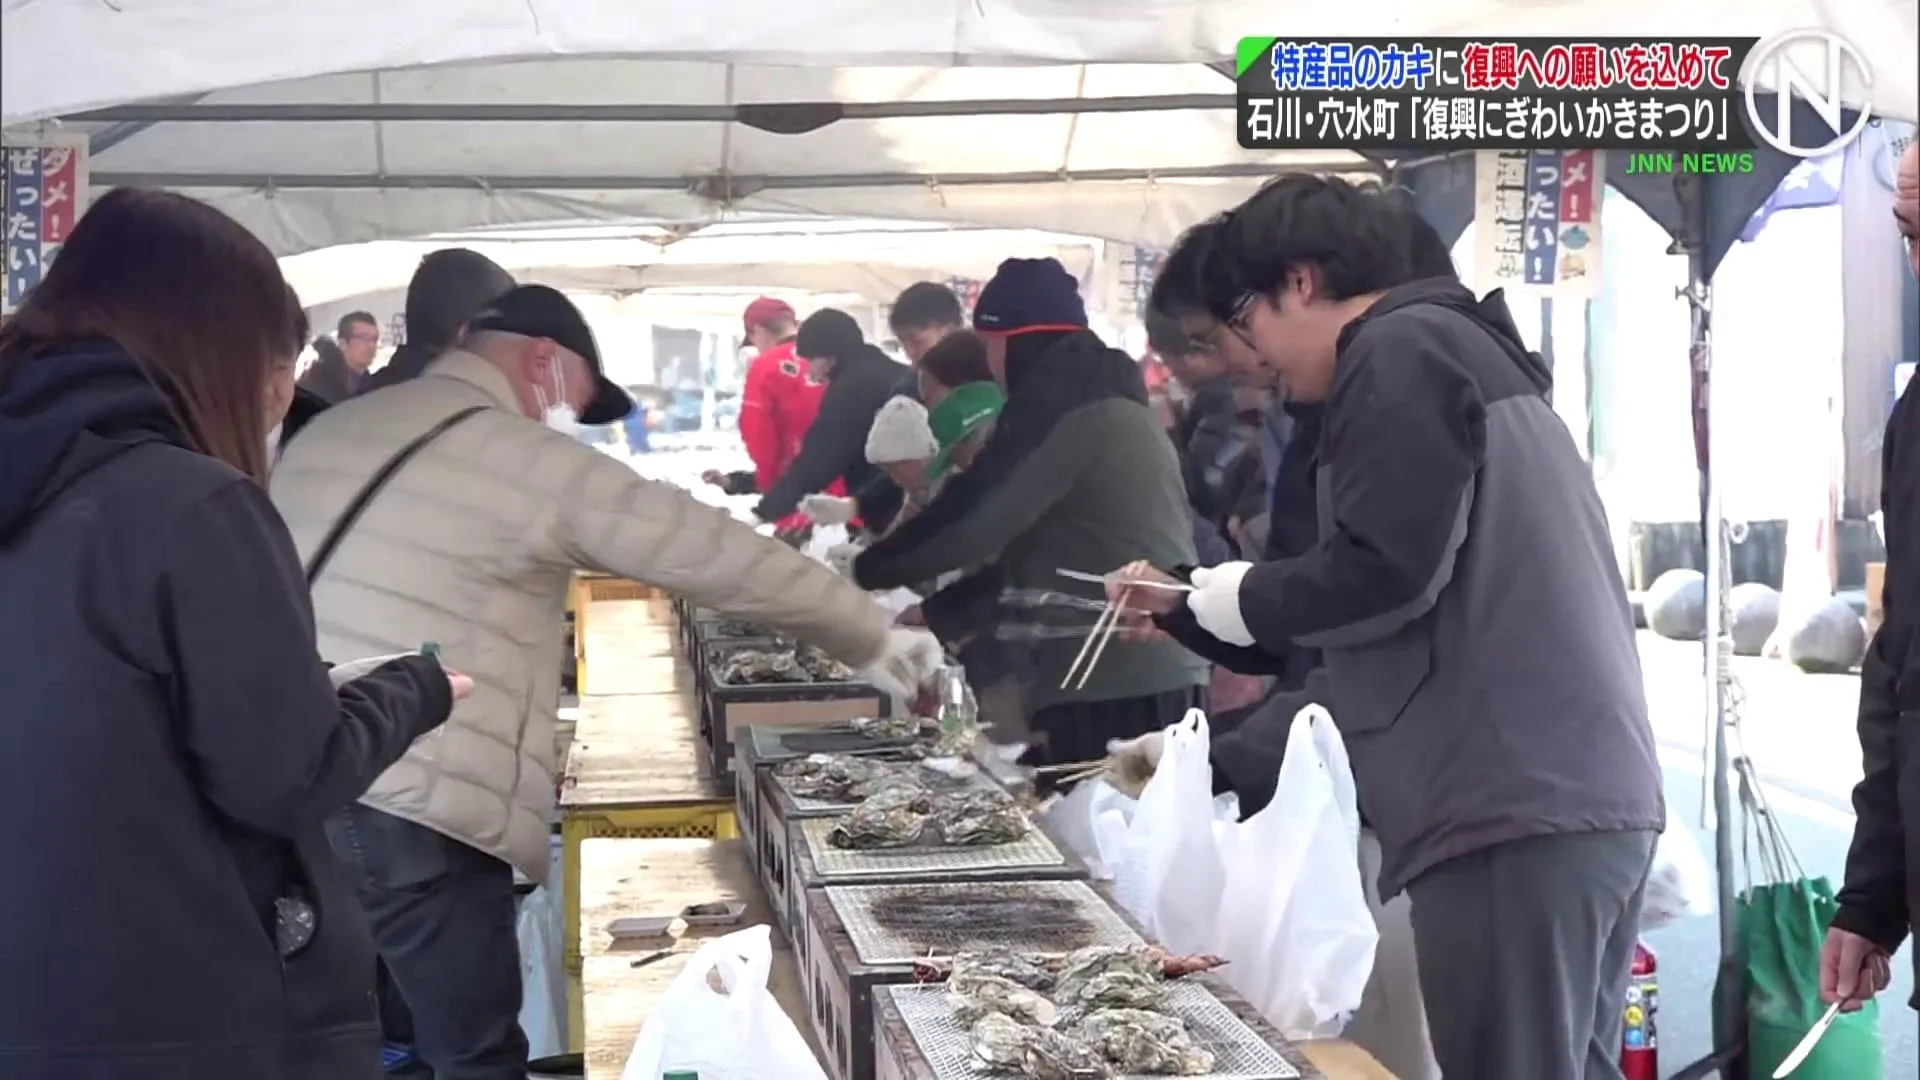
[[1524, 951]]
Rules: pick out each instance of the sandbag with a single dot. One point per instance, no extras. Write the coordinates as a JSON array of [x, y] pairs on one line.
[[1826, 637], [1753, 612], [1676, 605]]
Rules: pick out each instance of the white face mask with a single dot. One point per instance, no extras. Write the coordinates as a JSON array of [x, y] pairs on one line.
[[557, 415]]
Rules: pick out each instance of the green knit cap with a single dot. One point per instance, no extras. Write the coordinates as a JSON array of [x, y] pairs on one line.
[[965, 410]]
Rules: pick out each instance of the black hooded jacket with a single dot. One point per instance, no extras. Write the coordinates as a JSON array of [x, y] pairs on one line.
[[1880, 899], [835, 448], [171, 748], [1078, 475]]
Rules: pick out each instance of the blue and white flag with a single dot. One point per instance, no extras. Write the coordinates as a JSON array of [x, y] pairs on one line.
[[1814, 182]]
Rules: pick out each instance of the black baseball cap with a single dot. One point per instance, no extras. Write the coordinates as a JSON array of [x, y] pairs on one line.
[[543, 312]]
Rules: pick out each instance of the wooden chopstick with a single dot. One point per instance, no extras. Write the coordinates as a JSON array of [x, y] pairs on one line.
[[1113, 624], [1107, 614]]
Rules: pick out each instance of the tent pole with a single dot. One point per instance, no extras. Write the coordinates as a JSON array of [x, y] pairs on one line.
[[1729, 1005]]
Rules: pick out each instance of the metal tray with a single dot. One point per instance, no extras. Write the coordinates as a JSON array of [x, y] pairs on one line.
[[1032, 850], [1239, 1053], [1051, 916]]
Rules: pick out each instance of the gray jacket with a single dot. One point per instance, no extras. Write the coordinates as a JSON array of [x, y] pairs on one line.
[[1480, 653]]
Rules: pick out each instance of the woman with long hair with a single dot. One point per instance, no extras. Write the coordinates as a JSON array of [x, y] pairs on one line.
[[171, 741]]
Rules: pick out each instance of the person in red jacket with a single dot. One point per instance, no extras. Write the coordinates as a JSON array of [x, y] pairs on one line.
[[780, 398]]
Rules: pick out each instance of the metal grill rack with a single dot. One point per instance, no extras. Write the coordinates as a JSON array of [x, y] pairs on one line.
[[1083, 919], [1239, 1053], [1032, 850]]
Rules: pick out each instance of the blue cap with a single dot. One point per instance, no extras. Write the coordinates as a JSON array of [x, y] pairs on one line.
[[1030, 294]]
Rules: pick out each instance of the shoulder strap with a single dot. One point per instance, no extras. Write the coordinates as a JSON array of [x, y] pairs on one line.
[[324, 553]]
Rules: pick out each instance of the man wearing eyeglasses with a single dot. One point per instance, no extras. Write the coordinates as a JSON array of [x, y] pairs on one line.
[[336, 374]]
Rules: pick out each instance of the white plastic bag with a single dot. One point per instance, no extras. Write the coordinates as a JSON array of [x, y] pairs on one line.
[[1681, 884], [1167, 873], [1293, 918], [738, 1035], [1392, 1021], [543, 1002], [1091, 820], [824, 539]]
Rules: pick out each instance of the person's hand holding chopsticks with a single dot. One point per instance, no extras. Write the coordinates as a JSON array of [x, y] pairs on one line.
[[1142, 604]]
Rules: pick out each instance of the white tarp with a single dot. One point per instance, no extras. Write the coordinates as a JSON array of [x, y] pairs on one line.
[[1138, 176], [876, 263]]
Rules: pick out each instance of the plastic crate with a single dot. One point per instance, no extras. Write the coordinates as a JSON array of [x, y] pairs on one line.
[[697, 821]]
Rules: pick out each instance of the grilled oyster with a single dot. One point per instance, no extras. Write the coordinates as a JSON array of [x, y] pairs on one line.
[[761, 666], [790, 664], [896, 728], [822, 668], [1142, 1043], [980, 817], [835, 777], [1000, 964], [1079, 967], [892, 817], [1119, 989], [998, 1043], [985, 994], [1053, 1056]]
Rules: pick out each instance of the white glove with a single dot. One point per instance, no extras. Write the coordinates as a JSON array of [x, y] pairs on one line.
[[907, 662], [342, 674], [829, 509], [841, 556], [1132, 762], [1215, 602]]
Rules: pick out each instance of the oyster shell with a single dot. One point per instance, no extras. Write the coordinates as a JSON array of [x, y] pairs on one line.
[[891, 817], [896, 728], [1053, 1056], [1002, 964], [1144, 1043], [998, 1043], [984, 994], [759, 667], [1118, 989], [836, 777], [1079, 967], [979, 818]]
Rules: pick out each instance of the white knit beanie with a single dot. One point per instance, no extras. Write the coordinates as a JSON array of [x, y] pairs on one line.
[[900, 433]]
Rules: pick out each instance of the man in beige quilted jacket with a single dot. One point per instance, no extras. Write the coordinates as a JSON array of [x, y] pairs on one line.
[[471, 543]]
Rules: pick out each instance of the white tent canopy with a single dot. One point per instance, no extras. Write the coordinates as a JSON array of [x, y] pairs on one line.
[[874, 261], [352, 120]]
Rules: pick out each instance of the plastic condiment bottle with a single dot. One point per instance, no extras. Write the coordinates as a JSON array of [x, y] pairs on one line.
[[430, 648]]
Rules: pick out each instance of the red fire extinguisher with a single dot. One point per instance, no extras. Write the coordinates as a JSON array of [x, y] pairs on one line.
[[1639, 1049]]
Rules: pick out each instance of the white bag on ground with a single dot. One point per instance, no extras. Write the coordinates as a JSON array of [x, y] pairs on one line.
[[543, 1002], [1167, 873], [1293, 919], [1681, 883], [1392, 1021], [738, 1035]]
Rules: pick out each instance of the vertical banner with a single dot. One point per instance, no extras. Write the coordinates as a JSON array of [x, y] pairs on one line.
[[45, 192], [1537, 222]]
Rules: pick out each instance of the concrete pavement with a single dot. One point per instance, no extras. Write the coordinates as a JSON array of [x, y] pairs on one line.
[[1799, 731]]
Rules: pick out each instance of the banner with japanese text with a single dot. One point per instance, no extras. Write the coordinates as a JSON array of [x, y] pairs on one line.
[[45, 193], [1537, 222]]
